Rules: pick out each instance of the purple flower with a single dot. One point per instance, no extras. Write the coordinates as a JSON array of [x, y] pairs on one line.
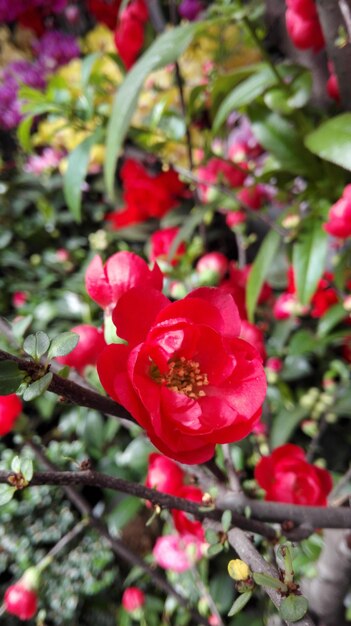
[[190, 9], [12, 78], [55, 49]]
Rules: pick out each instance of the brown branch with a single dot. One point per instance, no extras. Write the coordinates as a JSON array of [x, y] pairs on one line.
[[163, 500], [69, 390], [116, 544], [333, 22], [248, 553]]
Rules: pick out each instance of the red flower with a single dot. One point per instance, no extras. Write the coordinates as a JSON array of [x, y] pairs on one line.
[[182, 522], [91, 342], [10, 408], [106, 283], [163, 474], [254, 336], [185, 375], [146, 196], [339, 218], [129, 34], [217, 170], [21, 601], [161, 242], [105, 11], [133, 598], [286, 476], [303, 25], [253, 196]]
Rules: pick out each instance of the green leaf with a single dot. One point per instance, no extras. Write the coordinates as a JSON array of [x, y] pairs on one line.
[[211, 536], [27, 469], [281, 139], [163, 51], [20, 327], [87, 67], [63, 344], [331, 318], [247, 91], [76, 171], [10, 377], [332, 140], [36, 345], [309, 258], [6, 493], [240, 602], [215, 549], [260, 269], [185, 232], [38, 387], [23, 133], [285, 423], [268, 581], [16, 464], [293, 608], [226, 520]]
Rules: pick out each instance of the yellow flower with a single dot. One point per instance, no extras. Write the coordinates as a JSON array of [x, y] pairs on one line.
[[100, 39], [238, 570]]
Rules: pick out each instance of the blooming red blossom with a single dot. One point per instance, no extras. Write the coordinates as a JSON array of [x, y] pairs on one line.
[[105, 11], [253, 196], [161, 242], [133, 598], [106, 283], [177, 553], [339, 217], [163, 474], [303, 26], [185, 375], [21, 601], [10, 409], [219, 171], [182, 522], [91, 342], [129, 34], [146, 195], [286, 476]]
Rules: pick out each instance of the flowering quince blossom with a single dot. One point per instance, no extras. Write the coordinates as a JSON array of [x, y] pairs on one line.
[[163, 474], [133, 599], [21, 601], [91, 342], [160, 244], [218, 171], [185, 375], [324, 297], [10, 409], [178, 553], [106, 283], [146, 195], [129, 34], [183, 524], [303, 26], [286, 476], [339, 217]]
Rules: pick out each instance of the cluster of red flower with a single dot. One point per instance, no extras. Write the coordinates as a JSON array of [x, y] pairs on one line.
[[303, 25]]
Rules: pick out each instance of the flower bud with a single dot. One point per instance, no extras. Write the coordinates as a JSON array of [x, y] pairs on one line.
[[133, 599], [238, 570]]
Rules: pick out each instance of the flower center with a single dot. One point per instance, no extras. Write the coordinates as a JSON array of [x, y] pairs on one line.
[[183, 376]]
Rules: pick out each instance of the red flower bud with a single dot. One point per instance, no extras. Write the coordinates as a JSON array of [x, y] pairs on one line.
[[10, 408], [133, 598], [21, 601]]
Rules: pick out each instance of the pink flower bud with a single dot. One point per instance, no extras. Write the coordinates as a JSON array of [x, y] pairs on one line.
[[133, 598]]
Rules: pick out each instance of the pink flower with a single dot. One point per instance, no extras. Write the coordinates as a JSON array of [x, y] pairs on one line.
[[185, 375], [183, 523], [10, 409], [21, 601], [163, 474], [339, 217], [19, 298], [213, 262], [107, 283], [286, 476], [91, 342], [178, 553], [133, 599]]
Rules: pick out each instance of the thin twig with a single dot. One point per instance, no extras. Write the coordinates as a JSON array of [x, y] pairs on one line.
[[233, 479]]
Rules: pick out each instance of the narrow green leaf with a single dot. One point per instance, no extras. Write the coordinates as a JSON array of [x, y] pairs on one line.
[[332, 140], [331, 318], [36, 345], [6, 493], [259, 271], [293, 608], [63, 344], [37, 388], [226, 520], [285, 423], [87, 66], [10, 377], [268, 581], [244, 93], [76, 171], [239, 603], [16, 464], [164, 50], [23, 133], [27, 469], [309, 258]]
